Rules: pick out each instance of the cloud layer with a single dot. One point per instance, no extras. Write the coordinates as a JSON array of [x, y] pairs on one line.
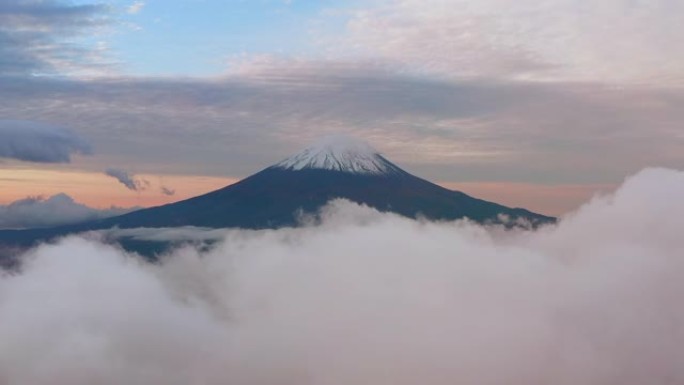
[[448, 131], [56, 210], [39, 142], [365, 298]]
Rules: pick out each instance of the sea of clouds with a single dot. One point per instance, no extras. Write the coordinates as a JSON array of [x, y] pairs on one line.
[[367, 298]]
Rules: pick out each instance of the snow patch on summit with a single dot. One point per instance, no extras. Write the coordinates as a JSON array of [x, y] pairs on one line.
[[340, 153]]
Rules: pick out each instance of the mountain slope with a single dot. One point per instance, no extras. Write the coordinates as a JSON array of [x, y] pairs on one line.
[[277, 196], [274, 197]]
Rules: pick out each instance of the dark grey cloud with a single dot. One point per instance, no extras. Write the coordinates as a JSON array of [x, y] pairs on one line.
[[444, 130], [58, 209], [38, 36], [39, 142], [127, 179]]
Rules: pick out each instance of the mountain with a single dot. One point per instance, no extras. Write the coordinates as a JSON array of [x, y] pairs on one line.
[[336, 167]]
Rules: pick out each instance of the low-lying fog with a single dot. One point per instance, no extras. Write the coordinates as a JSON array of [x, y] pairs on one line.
[[367, 298]]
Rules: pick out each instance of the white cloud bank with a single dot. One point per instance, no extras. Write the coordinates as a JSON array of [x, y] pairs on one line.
[[59, 209], [367, 298]]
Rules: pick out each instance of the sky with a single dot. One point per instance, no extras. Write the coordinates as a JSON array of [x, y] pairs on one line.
[[539, 104]]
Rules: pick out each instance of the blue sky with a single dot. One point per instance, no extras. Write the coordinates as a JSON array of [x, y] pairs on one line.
[[199, 38]]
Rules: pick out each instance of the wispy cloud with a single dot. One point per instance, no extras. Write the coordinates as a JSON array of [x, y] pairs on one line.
[[167, 191], [609, 41], [136, 7], [127, 179]]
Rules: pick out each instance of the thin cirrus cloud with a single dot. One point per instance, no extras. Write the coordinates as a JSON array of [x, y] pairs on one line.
[[59, 209], [364, 298], [43, 37], [39, 142], [136, 7], [608, 41]]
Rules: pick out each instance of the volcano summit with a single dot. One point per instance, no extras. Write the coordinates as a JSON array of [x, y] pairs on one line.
[[340, 153]]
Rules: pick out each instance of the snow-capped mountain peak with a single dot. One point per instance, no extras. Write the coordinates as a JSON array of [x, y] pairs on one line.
[[340, 153]]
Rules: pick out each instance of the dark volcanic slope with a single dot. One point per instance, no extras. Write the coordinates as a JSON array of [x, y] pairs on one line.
[[273, 198], [278, 195]]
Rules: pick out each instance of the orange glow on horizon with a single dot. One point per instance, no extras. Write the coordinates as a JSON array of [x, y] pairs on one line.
[[100, 191]]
